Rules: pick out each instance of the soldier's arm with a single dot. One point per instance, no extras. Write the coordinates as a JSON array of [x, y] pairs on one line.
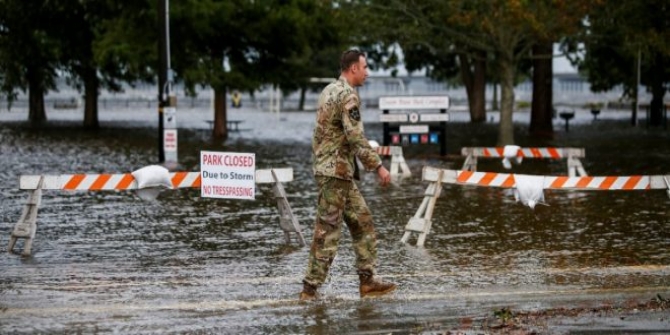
[[353, 130]]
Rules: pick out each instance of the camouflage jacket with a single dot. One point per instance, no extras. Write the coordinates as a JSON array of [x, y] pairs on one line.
[[338, 134]]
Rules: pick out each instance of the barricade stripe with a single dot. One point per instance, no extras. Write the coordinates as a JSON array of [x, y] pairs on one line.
[[74, 181], [113, 181], [100, 181], [608, 182], [125, 181], [500, 179], [384, 151], [559, 182], [596, 182], [487, 178], [620, 183], [463, 176], [177, 178], [509, 182], [533, 152], [536, 152], [87, 182], [494, 179], [583, 182], [632, 183]]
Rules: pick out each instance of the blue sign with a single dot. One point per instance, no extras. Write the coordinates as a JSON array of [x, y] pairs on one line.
[[434, 137], [414, 138]]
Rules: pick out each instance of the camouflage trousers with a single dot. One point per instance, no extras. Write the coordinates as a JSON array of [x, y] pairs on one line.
[[340, 200]]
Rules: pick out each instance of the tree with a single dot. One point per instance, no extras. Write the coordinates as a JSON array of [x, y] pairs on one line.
[[617, 35], [97, 37], [29, 52], [239, 45], [560, 19], [507, 30], [384, 26]]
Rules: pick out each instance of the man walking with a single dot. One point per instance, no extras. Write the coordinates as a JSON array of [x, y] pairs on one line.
[[338, 138]]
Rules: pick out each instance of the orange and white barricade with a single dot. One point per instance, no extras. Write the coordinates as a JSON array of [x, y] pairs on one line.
[[27, 224], [397, 160], [420, 223], [509, 152]]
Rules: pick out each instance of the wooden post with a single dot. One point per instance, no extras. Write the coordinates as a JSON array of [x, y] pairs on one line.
[[575, 167], [421, 223], [398, 161], [27, 225], [287, 221], [470, 163]]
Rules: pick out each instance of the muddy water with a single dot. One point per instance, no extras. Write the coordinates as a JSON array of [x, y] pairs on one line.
[[106, 262]]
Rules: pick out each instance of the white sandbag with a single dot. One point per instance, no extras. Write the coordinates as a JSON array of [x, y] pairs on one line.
[[511, 152], [151, 180], [529, 190]]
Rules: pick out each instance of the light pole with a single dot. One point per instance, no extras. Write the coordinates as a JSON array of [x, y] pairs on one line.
[[166, 98]]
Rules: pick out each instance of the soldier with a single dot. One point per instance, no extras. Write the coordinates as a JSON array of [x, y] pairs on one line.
[[338, 138]]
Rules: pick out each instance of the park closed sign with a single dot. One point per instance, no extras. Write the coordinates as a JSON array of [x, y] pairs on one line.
[[227, 175]]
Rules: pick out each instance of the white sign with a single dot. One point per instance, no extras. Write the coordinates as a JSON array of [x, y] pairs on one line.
[[442, 117], [393, 118], [227, 175], [414, 102], [414, 118], [414, 129], [170, 140]]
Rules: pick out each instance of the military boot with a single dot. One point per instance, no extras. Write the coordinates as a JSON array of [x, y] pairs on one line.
[[371, 287], [308, 292]]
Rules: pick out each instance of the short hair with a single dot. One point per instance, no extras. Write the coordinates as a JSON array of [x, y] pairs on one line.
[[349, 58]]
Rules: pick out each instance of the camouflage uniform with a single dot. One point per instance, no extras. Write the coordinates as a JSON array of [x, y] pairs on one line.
[[338, 139]]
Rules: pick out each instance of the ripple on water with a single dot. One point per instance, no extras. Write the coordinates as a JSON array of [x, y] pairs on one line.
[[108, 262]]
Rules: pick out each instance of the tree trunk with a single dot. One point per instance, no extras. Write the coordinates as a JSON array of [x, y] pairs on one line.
[[506, 128], [474, 78], [36, 113], [657, 92], [220, 130], [541, 108], [91, 85], [301, 105]]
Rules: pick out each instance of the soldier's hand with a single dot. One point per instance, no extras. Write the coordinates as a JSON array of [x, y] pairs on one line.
[[384, 175]]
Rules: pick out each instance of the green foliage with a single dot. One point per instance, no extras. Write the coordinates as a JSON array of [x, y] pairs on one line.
[[616, 35], [244, 44], [233, 44], [29, 51]]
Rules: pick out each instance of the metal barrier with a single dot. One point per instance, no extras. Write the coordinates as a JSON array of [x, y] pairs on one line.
[[27, 224], [571, 154], [397, 160], [421, 222]]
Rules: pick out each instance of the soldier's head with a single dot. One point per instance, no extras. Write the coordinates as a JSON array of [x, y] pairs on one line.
[[354, 67]]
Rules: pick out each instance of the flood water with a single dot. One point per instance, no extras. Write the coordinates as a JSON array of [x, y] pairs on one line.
[[107, 262]]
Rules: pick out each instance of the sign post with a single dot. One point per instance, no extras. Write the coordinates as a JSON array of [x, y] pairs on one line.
[[170, 144], [414, 128], [228, 175]]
